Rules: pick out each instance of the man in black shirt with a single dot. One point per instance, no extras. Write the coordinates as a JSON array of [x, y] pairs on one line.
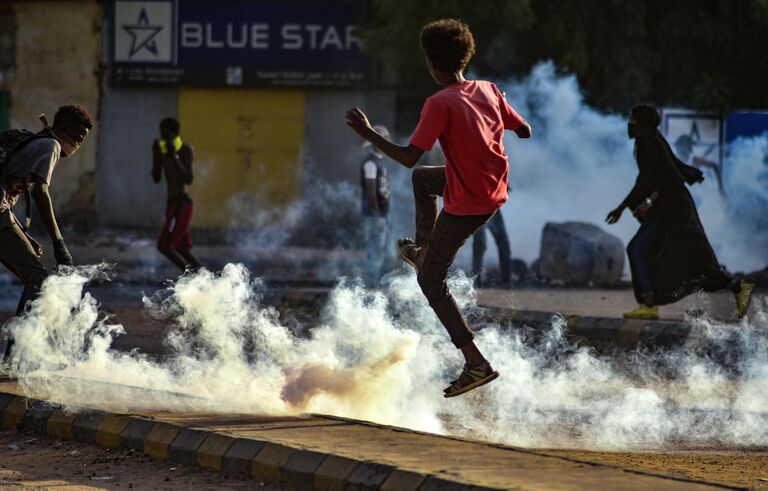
[[670, 255]]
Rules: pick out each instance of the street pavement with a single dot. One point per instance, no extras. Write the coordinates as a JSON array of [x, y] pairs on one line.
[[339, 441], [324, 452], [608, 303]]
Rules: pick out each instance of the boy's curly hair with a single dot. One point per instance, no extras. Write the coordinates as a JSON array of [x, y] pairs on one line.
[[448, 43], [73, 113]]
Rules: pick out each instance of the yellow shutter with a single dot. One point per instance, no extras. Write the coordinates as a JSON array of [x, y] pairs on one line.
[[246, 141]]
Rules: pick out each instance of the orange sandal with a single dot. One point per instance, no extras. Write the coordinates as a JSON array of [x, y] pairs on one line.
[[471, 378]]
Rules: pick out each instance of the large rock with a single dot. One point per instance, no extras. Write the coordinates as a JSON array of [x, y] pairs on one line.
[[575, 253]]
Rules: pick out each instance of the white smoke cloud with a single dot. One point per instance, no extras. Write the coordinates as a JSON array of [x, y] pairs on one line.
[[383, 356], [738, 225], [579, 165]]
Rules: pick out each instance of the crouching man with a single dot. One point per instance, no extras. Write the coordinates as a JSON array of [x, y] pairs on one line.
[[28, 169]]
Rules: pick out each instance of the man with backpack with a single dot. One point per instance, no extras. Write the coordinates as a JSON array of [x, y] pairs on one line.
[[27, 161]]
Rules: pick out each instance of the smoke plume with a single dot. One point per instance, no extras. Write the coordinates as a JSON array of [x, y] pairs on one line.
[[383, 356], [579, 165]]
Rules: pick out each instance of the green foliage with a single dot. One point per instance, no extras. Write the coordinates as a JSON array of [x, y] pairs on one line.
[[696, 53]]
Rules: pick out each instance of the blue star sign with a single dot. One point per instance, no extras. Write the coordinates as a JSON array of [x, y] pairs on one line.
[[142, 34]]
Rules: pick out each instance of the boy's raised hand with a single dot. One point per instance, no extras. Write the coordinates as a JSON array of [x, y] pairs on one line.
[[358, 121]]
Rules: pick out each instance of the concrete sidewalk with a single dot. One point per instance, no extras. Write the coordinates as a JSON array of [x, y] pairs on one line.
[[594, 317], [607, 303], [324, 453], [138, 261]]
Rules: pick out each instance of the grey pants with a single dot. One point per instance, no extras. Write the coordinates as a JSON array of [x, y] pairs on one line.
[[375, 232], [443, 235]]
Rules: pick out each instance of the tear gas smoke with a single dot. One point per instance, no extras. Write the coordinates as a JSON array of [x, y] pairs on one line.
[[383, 356], [327, 217], [579, 165]]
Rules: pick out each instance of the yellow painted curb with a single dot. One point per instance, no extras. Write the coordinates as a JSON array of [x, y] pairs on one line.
[[13, 415], [159, 439], [108, 434], [60, 425], [212, 451], [267, 463]]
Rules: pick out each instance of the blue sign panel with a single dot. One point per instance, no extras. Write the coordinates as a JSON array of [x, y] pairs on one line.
[[745, 124], [238, 42]]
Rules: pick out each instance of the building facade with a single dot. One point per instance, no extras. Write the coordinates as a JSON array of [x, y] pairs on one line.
[[260, 89], [45, 63]]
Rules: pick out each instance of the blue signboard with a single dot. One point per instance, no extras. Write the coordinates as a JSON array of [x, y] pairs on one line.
[[238, 42], [745, 124]]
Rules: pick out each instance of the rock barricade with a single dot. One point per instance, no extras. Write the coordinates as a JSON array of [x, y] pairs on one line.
[[576, 253]]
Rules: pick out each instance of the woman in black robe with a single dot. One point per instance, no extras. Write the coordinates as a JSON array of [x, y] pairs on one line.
[[670, 255]]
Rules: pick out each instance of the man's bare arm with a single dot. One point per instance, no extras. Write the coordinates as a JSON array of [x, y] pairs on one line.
[[157, 164], [185, 165], [45, 207], [186, 170]]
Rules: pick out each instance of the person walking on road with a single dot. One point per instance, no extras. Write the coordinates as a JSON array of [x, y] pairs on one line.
[[375, 209], [173, 158], [498, 230], [670, 255]]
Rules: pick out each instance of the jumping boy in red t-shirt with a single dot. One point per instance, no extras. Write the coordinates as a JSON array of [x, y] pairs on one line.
[[469, 118]]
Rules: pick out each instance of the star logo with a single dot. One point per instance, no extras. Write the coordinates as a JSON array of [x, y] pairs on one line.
[[142, 34]]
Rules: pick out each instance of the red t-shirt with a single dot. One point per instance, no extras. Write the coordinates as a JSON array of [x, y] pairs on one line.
[[469, 119]]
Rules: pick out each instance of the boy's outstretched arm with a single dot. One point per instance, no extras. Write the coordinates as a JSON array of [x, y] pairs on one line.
[[157, 165], [407, 156]]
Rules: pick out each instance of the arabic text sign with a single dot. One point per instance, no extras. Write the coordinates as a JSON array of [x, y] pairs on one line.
[[236, 42]]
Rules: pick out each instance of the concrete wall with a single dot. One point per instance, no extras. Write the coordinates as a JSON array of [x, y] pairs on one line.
[[333, 154], [332, 151], [60, 52], [57, 62], [127, 195]]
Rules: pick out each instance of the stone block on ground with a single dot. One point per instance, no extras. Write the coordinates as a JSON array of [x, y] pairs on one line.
[[576, 253]]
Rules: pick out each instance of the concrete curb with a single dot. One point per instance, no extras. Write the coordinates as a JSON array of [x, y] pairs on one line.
[[597, 331], [264, 461], [601, 331]]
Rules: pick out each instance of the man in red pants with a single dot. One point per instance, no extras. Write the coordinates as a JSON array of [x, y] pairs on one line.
[[173, 158]]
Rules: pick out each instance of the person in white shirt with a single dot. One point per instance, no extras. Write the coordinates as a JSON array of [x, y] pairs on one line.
[[375, 209]]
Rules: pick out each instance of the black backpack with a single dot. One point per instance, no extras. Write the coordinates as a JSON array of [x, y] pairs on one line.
[[12, 141]]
